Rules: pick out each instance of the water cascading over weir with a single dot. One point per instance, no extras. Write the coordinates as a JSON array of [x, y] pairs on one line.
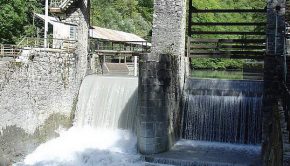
[[107, 102], [223, 111]]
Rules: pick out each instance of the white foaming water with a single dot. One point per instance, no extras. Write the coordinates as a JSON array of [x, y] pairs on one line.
[[86, 146], [104, 105]]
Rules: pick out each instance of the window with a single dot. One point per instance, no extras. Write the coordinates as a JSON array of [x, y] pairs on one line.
[[72, 32]]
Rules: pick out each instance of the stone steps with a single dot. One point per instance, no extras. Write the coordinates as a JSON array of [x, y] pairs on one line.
[[117, 67]]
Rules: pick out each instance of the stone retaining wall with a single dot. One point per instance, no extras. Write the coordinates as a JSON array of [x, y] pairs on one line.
[[38, 98]]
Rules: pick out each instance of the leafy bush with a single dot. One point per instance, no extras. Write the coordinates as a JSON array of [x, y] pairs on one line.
[[216, 63]]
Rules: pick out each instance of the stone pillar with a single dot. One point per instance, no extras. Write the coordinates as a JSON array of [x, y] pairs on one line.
[[161, 79], [79, 14], [273, 77], [83, 37]]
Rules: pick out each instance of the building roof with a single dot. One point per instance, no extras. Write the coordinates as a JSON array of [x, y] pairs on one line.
[[104, 33], [51, 20], [114, 35]]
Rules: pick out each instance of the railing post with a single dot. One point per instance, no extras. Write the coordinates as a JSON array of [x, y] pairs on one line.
[[104, 59], [46, 24], [135, 66]]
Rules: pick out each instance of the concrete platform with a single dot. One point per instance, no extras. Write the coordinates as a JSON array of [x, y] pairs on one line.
[[199, 153]]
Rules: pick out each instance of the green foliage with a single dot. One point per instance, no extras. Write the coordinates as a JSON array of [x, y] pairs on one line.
[[16, 19], [233, 75], [229, 17], [134, 16], [216, 63], [220, 64]]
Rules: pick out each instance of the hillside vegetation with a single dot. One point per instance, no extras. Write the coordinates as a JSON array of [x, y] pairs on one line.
[[16, 19], [221, 64], [134, 16]]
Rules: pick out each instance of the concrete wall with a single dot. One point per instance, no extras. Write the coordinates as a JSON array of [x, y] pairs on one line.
[[272, 150], [37, 99], [161, 79], [39, 96]]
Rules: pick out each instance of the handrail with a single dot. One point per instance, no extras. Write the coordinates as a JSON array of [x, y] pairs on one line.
[[7, 50], [55, 3], [59, 3], [21, 41], [66, 45], [53, 43]]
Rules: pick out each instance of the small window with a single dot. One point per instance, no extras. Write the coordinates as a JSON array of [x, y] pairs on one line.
[[72, 32]]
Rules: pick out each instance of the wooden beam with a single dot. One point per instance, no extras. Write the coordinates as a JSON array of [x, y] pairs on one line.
[[228, 52], [117, 53], [229, 11], [228, 24], [226, 33], [201, 46], [198, 40], [55, 10], [232, 56]]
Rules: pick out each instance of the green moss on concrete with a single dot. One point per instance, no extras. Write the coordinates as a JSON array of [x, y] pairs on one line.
[[48, 130], [15, 143]]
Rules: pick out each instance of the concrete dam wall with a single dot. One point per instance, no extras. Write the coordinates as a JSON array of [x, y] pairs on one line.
[[36, 98]]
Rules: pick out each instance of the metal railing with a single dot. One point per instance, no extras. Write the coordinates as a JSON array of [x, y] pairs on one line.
[[59, 3], [61, 44], [7, 50], [55, 3], [119, 46]]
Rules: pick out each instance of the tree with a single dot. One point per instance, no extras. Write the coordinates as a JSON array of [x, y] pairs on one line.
[[16, 19], [133, 16]]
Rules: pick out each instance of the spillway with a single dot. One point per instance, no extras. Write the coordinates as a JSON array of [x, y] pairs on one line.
[[223, 111], [221, 125], [107, 102]]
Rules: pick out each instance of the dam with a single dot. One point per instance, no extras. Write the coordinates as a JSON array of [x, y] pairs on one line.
[[104, 130], [58, 109]]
